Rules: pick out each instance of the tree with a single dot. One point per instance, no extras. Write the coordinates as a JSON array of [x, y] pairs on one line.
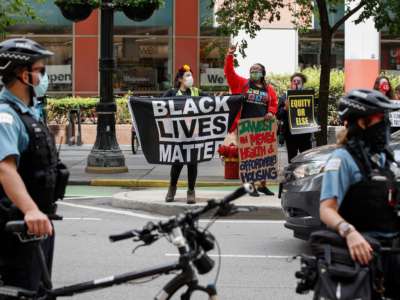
[[236, 15], [14, 12]]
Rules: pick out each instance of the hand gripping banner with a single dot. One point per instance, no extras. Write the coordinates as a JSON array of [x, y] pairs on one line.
[[183, 129]]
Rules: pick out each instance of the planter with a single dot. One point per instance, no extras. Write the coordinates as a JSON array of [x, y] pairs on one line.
[[140, 13], [76, 12], [123, 133]]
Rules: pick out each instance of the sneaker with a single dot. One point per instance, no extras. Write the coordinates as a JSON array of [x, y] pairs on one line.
[[266, 191], [254, 193], [191, 197], [171, 194]]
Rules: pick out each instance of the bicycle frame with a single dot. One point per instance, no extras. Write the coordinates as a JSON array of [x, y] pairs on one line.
[[187, 277]]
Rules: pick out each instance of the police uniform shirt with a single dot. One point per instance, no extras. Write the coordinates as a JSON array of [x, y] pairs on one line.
[[340, 173], [14, 138]]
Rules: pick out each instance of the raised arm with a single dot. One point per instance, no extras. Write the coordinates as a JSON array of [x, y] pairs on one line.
[[235, 82]]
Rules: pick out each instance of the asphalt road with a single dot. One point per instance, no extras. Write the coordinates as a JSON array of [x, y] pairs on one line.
[[254, 254]]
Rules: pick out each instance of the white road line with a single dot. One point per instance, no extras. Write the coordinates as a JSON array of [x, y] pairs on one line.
[[81, 219], [148, 217], [72, 197], [238, 256], [107, 210]]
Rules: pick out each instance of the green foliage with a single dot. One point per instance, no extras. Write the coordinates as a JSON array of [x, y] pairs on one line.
[[71, 3], [57, 110], [14, 12], [139, 3]]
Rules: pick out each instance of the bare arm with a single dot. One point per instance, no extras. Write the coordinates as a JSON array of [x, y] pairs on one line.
[[360, 249], [37, 222]]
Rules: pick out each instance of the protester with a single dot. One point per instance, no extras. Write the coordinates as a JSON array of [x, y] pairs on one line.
[[261, 99], [382, 84], [183, 86], [295, 143], [397, 92]]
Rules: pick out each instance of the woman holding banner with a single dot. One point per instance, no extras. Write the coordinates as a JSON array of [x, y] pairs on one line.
[[183, 86], [261, 99], [294, 143]]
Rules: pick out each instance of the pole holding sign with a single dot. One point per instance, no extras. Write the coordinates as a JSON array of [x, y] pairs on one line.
[[258, 150], [302, 111]]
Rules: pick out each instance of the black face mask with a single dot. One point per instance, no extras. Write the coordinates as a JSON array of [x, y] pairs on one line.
[[377, 136]]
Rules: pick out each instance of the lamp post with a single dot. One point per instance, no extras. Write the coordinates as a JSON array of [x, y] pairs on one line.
[[106, 156]]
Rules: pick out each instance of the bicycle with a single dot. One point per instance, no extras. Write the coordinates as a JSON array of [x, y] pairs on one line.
[[182, 231]]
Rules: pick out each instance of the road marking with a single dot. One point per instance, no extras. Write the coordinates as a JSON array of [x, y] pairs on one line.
[[107, 210], [238, 256], [148, 217], [72, 197], [81, 219]]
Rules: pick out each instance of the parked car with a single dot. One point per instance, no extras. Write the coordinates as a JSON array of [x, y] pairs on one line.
[[300, 189]]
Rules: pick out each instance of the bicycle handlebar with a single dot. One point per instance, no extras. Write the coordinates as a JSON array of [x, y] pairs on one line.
[[148, 237]]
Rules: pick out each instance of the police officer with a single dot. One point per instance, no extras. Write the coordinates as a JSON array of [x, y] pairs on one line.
[[31, 176], [360, 178]]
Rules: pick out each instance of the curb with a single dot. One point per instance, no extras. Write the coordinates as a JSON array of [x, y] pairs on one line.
[[156, 183], [259, 212]]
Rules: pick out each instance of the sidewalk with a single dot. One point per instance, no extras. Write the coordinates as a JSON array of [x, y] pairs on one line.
[[142, 174], [155, 179]]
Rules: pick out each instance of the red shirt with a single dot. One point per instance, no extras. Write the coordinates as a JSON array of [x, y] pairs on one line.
[[240, 85]]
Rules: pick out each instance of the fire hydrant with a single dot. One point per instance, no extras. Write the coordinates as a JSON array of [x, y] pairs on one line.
[[230, 156]]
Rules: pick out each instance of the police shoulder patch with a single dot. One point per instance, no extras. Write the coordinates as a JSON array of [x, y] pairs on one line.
[[6, 118], [333, 164]]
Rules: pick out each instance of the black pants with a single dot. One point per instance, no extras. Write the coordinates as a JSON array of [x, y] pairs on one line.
[[19, 262], [192, 174], [296, 144]]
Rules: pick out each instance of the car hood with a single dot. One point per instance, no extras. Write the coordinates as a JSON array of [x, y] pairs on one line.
[[316, 154]]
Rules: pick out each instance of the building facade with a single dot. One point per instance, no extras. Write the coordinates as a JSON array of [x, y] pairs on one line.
[[148, 53]]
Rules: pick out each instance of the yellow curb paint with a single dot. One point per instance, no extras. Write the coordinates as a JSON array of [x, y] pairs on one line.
[[144, 183]]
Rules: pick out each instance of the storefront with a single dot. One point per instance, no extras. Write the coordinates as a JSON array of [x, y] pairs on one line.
[[146, 53]]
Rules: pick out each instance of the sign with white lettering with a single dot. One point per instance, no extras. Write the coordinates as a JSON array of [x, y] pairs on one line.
[[213, 77], [395, 119], [181, 129], [59, 74]]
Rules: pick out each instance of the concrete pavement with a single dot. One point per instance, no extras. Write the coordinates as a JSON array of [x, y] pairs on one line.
[[149, 183], [143, 174]]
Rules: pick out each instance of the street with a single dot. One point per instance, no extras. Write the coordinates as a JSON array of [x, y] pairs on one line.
[[254, 253]]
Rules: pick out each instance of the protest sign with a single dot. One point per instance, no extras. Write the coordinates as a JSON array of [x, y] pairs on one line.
[[257, 150], [182, 129], [302, 111], [395, 119]]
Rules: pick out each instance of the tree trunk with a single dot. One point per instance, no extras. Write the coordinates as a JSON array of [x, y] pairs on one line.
[[326, 44], [325, 61]]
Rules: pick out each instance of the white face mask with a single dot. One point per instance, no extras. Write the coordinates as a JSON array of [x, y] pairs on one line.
[[188, 81]]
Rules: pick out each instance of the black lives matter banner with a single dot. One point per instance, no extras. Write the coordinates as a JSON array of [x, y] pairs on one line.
[[182, 129], [302, 111]]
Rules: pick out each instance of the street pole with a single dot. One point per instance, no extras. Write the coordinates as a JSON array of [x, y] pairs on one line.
[[106, 156]]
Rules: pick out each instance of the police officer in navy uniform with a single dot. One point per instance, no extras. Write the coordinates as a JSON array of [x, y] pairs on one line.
[[31, 176], [360, 182]]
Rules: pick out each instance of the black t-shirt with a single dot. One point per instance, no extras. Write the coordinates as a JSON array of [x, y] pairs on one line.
[[256, 102]]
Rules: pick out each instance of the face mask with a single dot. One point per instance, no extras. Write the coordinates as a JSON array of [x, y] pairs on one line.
[[297, 84], [188, 81], [377, 136], [384, 87], [256, 76], [41, 89]]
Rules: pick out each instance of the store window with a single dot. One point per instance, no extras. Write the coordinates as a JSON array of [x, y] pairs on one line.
[[310, 51], [390, 55], [53, 32], [143, 52], [213, 47]]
